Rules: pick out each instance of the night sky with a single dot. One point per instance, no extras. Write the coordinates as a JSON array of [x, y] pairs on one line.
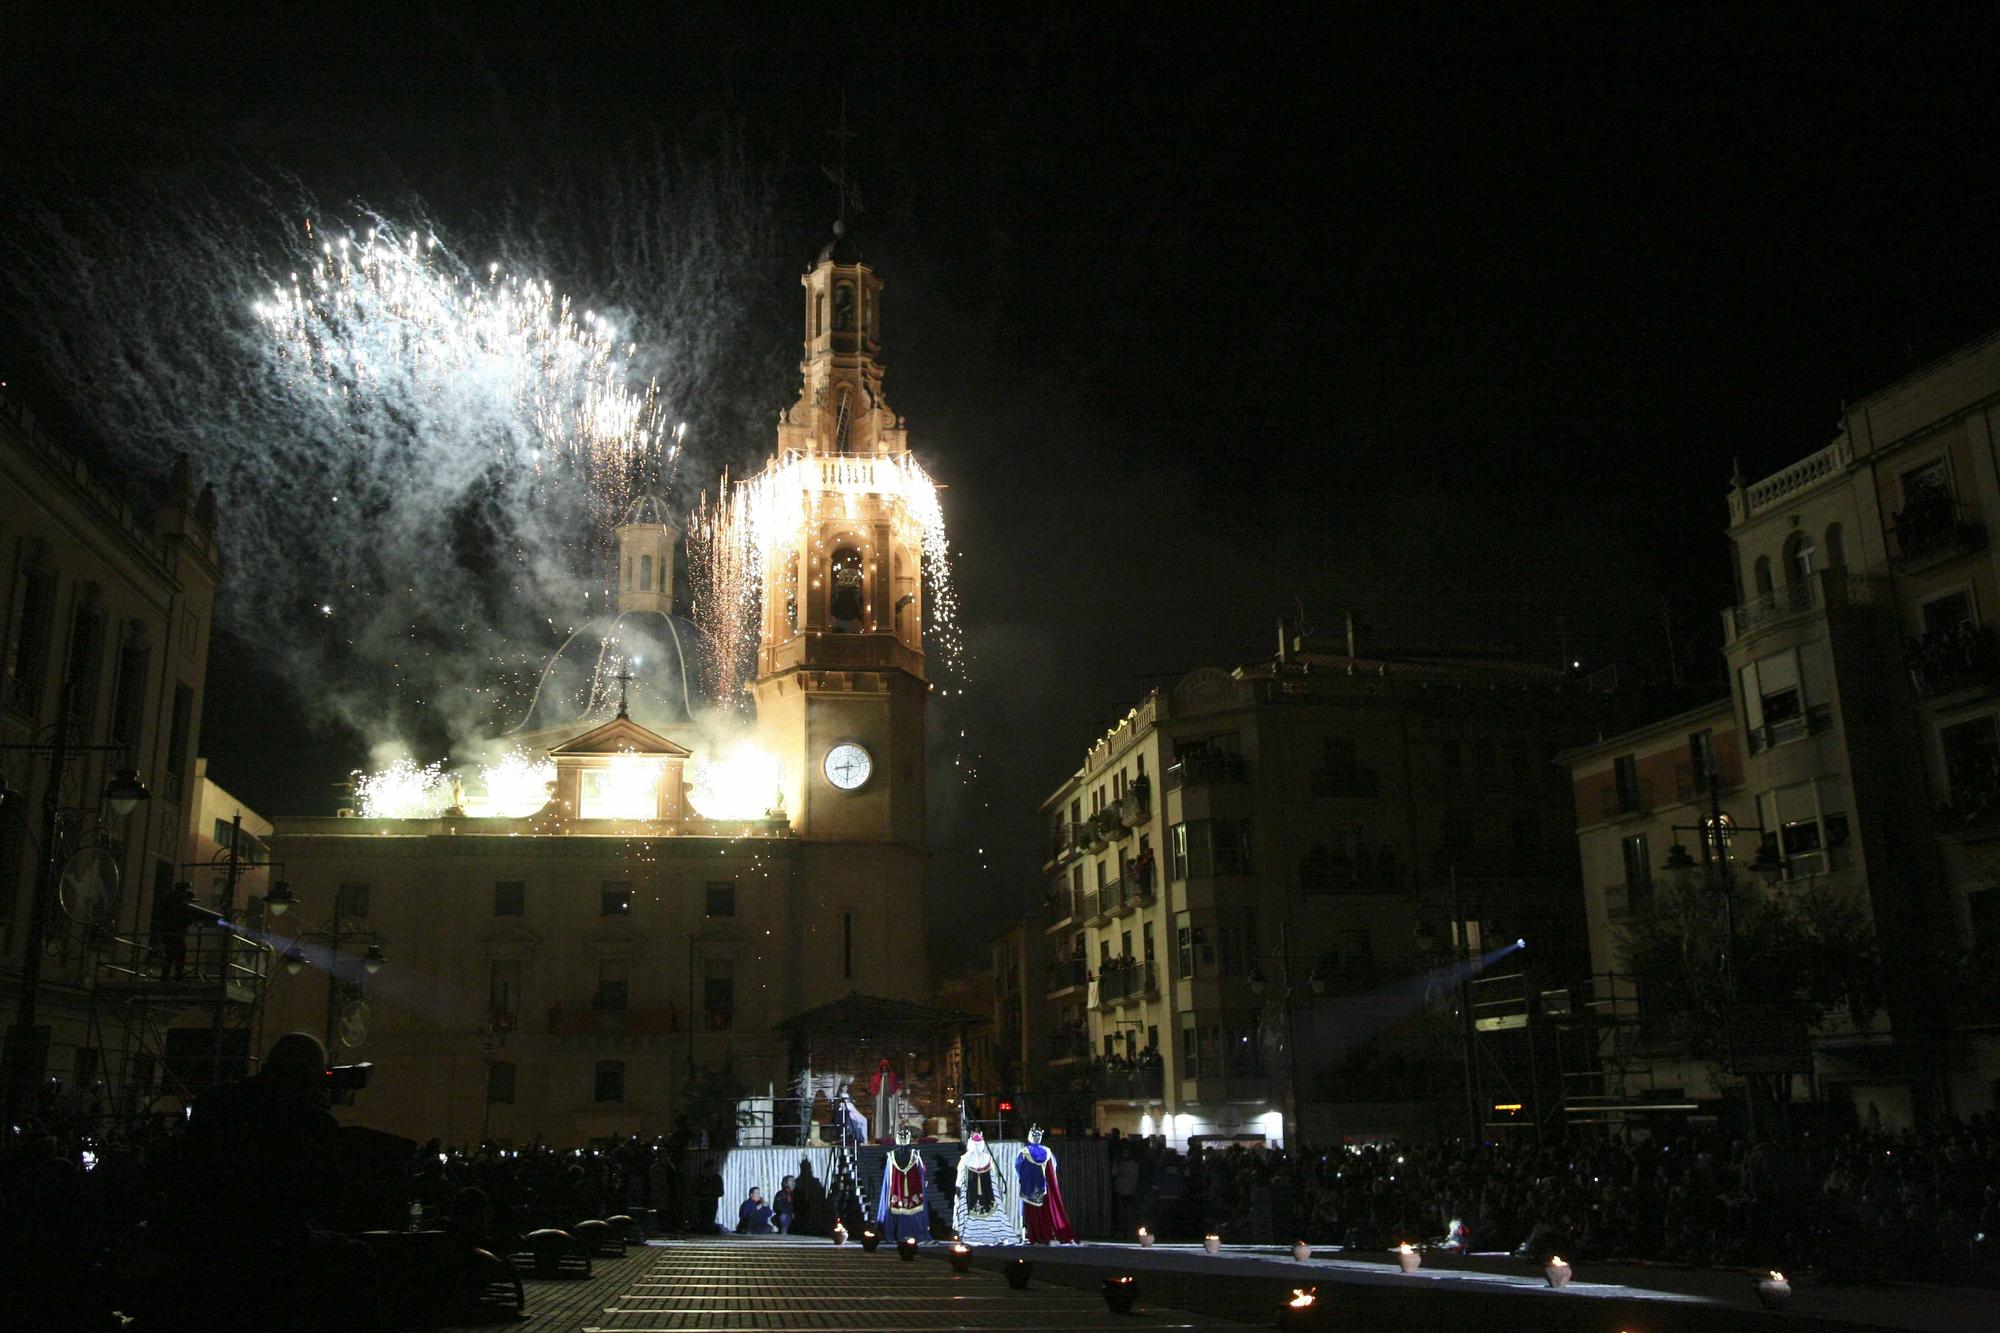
[[1458, 322]]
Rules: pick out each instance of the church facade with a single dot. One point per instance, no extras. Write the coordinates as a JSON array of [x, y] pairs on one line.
[[567, 974]]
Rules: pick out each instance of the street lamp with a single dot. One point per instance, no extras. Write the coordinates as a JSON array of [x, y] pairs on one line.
[[279, 900], [1769, 866], [125, 792]]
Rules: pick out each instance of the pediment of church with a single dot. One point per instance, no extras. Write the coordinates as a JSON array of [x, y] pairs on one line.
[[621, 735]]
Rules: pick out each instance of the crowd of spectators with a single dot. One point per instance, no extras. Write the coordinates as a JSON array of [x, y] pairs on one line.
[[1867, 1203], [265, 1167], [261, 1190]]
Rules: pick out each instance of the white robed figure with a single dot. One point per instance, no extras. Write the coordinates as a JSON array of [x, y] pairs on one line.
[[982, 1210]]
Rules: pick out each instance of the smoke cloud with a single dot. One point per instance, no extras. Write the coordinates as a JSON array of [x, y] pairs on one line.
[[399, 550]]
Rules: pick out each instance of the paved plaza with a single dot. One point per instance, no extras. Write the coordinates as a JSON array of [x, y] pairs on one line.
[[767, 1285], [741, 1285]]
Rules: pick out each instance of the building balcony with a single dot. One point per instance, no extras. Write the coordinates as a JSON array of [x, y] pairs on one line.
[[1932, 531], [1204, 770], [1212, 1079], [1812, 722], [1126, 979], [1142, 879], [1096, 908], [1135, 807], [1067, 974], [1779, 604], [1059, 909], [1351, 784], [1621, 799], [1138, 1083], [1119, 897], [1110, 826], [1952, 662], [1061, 849], [1069, 1047], [1828, 591], [1691, 783], [827, 650]]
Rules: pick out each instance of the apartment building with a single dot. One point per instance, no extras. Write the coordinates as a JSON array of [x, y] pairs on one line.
[[1868, 688], [107, 618], [1251, 871]]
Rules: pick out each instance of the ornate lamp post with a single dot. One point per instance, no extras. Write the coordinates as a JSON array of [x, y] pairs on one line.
[[1718, 879], [279, 901]]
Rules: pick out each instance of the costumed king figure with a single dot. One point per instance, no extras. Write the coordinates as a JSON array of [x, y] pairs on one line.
[[980, 1214], [1043, 1220], [901, 1213], [884, 1084]]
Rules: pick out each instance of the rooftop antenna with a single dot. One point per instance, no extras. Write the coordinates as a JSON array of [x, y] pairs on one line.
[[844, 190]]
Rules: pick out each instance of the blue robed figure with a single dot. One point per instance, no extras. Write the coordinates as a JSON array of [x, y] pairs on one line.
[[1044, 1221]]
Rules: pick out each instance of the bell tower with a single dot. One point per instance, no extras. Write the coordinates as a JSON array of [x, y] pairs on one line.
[[840, 656]]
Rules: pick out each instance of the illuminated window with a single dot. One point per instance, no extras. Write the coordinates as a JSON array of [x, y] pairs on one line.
[[627, 788]]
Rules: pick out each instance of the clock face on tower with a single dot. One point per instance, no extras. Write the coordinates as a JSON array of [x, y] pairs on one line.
[[847, 766]]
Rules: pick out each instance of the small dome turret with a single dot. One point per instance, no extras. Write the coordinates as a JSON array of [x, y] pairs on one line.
[[646, 544]]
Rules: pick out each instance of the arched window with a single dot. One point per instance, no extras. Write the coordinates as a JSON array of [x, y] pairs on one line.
[[1836, 549], [1763, 574], [628, 573], [645, 573], [792, 593], [1801, 558], [819, 314], [846, 601], [906, 597], [843, 307]]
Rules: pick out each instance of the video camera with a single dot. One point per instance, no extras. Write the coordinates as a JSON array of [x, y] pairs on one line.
[[349, 1078]]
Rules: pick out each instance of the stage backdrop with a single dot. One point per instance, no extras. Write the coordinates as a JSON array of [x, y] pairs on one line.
[[1082, 1165]]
